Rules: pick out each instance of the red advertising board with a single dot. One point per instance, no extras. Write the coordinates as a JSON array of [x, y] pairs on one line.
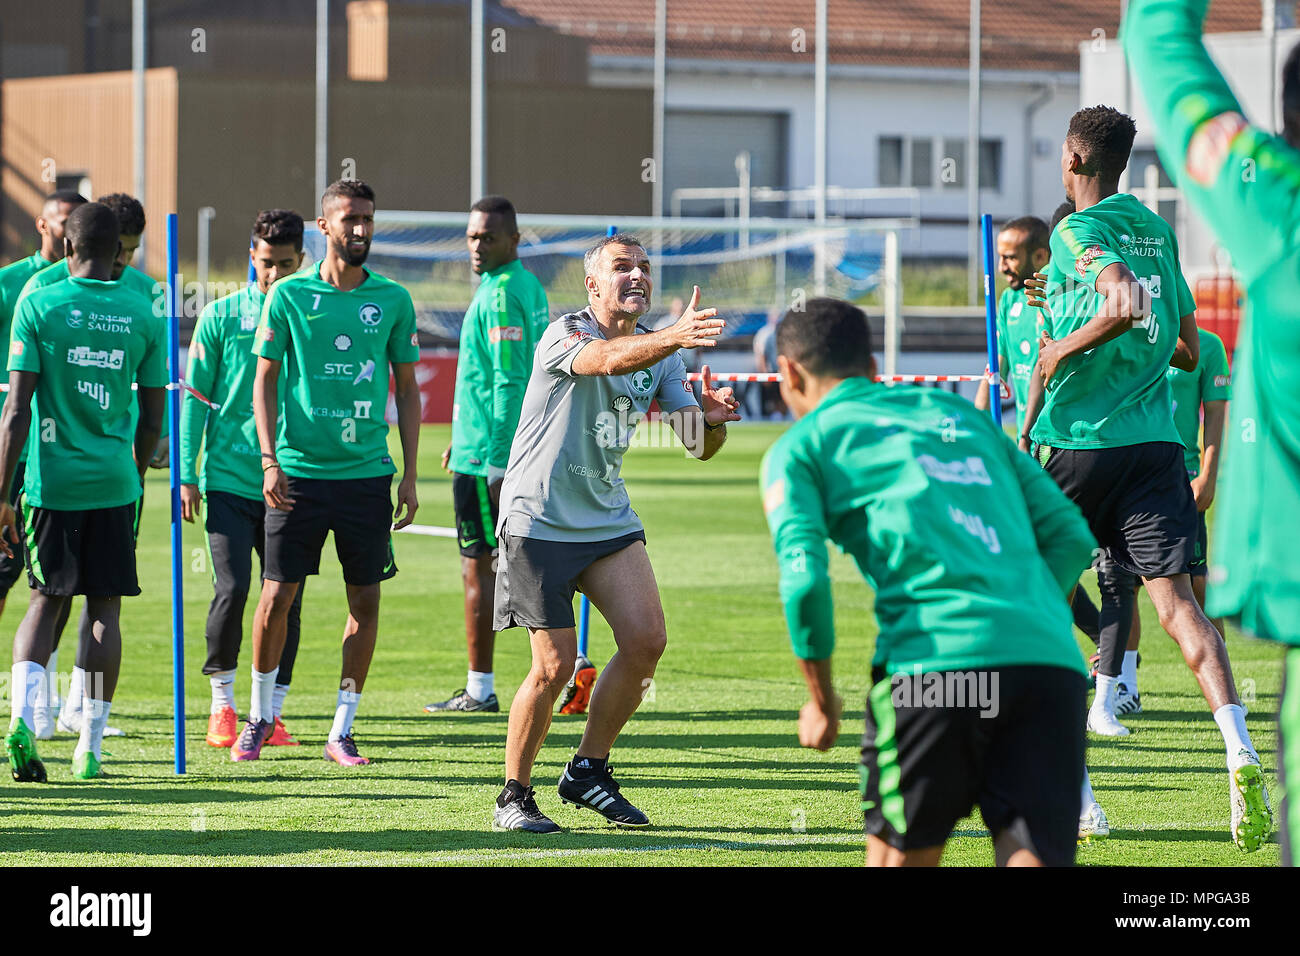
[[435, 373]]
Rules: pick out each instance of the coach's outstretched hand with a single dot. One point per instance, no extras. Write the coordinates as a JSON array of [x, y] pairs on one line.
[[405, 499], [696, 329], [8, 528], [719, 404]]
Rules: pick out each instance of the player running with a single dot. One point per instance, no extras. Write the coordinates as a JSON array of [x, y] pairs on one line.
[[1120, 313], [333, 331], [1244, 182], [566, 522], [504, 321], [77, 347], [222, 367], [971, 551], [49, 226]]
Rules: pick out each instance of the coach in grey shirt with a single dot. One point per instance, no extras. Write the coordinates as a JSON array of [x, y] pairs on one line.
[[566, 523]]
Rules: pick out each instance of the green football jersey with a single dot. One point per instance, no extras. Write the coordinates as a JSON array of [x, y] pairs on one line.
[[1115, 394], [1210, 382], [1244, 182], [90, 341], [222, 367], [12, 279], [336, 347], [1018, 325], [968, 544], [502, 326]]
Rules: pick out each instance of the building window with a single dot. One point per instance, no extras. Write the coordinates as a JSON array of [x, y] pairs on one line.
[[912, 161], [953, 169], [922, 164], [889, 161]]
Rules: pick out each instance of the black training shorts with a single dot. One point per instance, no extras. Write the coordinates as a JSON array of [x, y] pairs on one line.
[[1009, 739], [89, 552], [476, 515], [1137, 501], [360, 513], [536, 579]]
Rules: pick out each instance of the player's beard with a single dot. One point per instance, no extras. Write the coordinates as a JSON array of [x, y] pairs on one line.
[[351, 258]]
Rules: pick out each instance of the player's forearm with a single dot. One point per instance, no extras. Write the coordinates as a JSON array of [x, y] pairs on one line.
[[14, 425], [1121, 309], [153, 403], [194, 419], [1212, 440], [265, 404], [817, 675], [408, 426], [624, 354], [982, 396], [508, 399], [1033, 400], [714, 439]]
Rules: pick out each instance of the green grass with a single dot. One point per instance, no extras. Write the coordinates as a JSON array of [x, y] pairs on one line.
[[711, 756]]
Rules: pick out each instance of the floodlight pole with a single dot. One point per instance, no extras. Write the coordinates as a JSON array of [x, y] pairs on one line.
[[322, 96], [477, 105], [819, 148], [972, 158], [660, 104], [138, 64]]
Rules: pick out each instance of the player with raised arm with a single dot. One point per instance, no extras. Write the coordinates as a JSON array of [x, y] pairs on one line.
[[971, 551], [502, 326], [1119, 314], [567, 525], [221, 368], [331, 334], [76, 349], [1244, 182]]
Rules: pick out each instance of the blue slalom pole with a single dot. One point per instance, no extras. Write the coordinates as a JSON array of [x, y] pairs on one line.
[[584, 607], [174, 453], [991, 321]]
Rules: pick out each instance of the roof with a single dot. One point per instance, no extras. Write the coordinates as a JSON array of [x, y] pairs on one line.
[[1017, 34]]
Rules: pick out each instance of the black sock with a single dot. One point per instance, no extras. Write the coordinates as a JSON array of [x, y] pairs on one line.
[[513, 790], [586, 766]]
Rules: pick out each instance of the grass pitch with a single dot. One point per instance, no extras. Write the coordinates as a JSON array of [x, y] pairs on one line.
[[712, 755]]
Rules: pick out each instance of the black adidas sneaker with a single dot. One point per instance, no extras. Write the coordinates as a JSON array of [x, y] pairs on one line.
[[520, 812], [594, 787]]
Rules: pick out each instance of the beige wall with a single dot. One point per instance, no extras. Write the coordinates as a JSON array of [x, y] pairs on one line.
[[83, 123]]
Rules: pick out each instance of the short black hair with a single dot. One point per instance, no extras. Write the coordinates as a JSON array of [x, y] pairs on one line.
[[1103, 138], [346, 189], [1064, 209], [94, 230], [498, 206], [130, 214], [277, 227], [618, 239], [1035, 230], [827, 337], [1291, 97], [69, 196]]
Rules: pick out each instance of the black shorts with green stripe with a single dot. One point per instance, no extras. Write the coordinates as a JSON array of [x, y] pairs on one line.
[[89, 552], [476, 515], [1009, 739]]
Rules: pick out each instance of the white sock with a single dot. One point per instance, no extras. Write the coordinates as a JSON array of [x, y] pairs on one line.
[[1231, 719], [344, 713], [71, 715], [480, 684], [223, 690], [277, 699], [52, 678], [1128, 672], [94, 720], [1107, 689], [28, 679], [263, 691], [40, 693], [1089, 798]]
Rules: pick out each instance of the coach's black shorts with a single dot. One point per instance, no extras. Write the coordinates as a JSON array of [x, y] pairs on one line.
[[11, 568], [1012, 743], [476, 515], [1198, 566], [1137, 500], [360, 513], [536, 579], [89, 552]]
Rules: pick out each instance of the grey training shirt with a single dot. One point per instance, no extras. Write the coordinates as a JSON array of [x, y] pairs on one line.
[[563, 481]]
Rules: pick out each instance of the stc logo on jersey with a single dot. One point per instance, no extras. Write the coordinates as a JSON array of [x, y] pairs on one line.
[[370, 314]]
